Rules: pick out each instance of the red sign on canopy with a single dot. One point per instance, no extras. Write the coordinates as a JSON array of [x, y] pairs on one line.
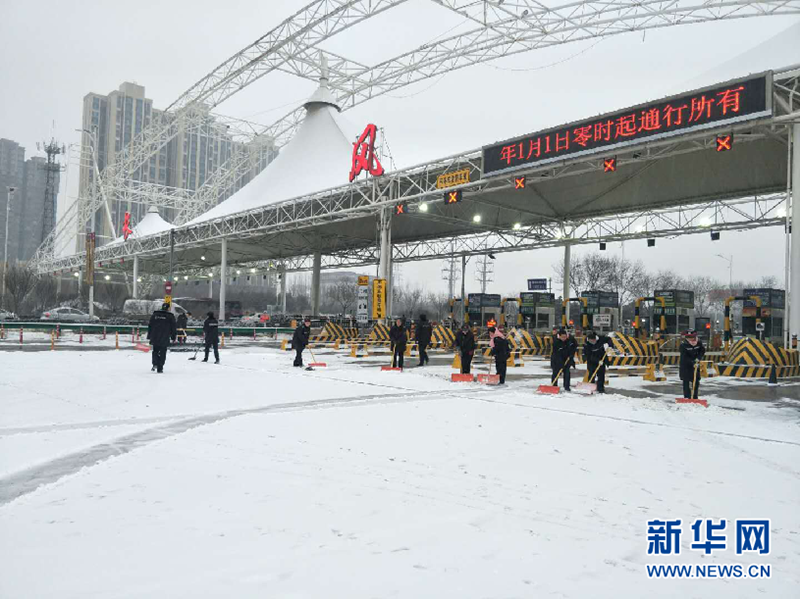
[[364, 158]]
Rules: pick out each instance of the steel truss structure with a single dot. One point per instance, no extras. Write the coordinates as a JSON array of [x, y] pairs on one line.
[[502, 29]]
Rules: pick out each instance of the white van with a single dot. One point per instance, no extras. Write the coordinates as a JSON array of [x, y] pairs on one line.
[[141, 310]]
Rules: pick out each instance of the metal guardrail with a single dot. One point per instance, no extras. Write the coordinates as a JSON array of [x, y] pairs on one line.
[[95, 328]]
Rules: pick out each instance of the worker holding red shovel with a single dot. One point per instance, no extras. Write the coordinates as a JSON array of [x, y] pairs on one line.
[[692, 351], [465, 342], [398, 338], [563, 356]]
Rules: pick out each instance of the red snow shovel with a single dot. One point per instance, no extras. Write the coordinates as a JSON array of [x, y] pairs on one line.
[[143, 347], [391, 366], [489, 379], [552, 389], [315, 364], [701, 402], [458, 377]]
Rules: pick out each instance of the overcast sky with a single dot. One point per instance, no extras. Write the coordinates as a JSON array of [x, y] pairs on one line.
[[53, 53]]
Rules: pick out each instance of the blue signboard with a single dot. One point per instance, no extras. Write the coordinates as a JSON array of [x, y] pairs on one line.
[[537, 284]]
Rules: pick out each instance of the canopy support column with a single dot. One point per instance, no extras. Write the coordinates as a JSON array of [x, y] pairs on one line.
[[282, 277], [385, 270], [316, 271], [136, 277], [223, 278], [794, 263], [567, 258]]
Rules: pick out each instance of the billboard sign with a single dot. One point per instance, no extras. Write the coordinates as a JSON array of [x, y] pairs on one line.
[[537, 284], [723, 104], [362, 303], [378, 299]]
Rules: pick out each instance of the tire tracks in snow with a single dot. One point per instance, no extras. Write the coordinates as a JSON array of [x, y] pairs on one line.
[[29, 480]]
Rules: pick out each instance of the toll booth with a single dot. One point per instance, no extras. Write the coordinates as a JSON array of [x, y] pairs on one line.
[[483, 307], [773, 307], [703, 326], [678, 310], [603, 310], [538, 310]]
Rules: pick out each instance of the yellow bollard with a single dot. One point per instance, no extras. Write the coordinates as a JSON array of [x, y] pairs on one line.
[[117, 342], [52, 340], [223, 340], [457, 361]]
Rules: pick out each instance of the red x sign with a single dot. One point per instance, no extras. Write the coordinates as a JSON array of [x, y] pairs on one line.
[[724, 142], [519, 182], [610, 165], [452, 197], [400, 209]]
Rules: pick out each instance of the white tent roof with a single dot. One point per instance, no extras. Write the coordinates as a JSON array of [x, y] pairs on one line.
[[151, 224], [317, 158]]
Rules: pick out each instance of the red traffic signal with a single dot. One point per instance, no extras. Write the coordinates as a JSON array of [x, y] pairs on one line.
[[708, 325], [724, 142], [400, 208], [452, 197], [519, 183], [610, 165]]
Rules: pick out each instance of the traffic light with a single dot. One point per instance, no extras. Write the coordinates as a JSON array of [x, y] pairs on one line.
[[452, 197], [400, 208], [610, 164], [724, 142], [519, 182]]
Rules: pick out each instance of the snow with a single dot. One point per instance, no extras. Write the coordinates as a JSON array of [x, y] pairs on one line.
[[254, 479], [317, 158]]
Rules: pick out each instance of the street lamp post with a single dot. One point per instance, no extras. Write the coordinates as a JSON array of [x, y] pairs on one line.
[[9, 199], [730, 270]]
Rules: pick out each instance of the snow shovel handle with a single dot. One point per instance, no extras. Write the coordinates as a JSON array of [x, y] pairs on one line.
[[694, 381], [602, 361], [555, 380]]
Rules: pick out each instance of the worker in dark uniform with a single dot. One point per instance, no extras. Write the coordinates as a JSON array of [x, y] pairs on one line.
[[300, 340], [423, 338], [500, 350], [160, 331], [465, 342], [563, 356], [182, 321], [692, 351], [594, 353], [211, 335], [398, 339]]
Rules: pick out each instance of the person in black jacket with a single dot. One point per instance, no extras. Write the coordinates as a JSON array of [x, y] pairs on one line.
[[182, 321], [465, 342], [160, 331], [300, 340], [211, 334], [692, 351], [423, 338], [563, 356], [500, 351], [398, 338], [594, 352]]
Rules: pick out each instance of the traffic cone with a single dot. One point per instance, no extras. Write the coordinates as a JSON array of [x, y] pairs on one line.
[[457, 361]]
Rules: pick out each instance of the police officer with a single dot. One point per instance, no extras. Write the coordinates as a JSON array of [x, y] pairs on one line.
[[398, 338], [465, 342], [161, 329], [211, 334], [563, 356], [500, 350], [692, 351], [423, 338], [182, 321], [300, 340], [594, 352]]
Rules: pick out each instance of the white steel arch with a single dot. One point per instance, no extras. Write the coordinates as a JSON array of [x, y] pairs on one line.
[[504, 28]]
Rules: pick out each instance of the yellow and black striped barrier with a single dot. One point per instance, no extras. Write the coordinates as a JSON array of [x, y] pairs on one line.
[[752, 358], [442, 337]]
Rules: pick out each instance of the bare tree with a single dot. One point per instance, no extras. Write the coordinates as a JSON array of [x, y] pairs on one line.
[[344, 295], [112, 294], [413, 299], [438, 305], [20, 281], [45, 293], [703, 287]]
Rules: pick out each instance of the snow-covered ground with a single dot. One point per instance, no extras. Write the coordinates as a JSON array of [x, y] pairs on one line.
[[254, 479]]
